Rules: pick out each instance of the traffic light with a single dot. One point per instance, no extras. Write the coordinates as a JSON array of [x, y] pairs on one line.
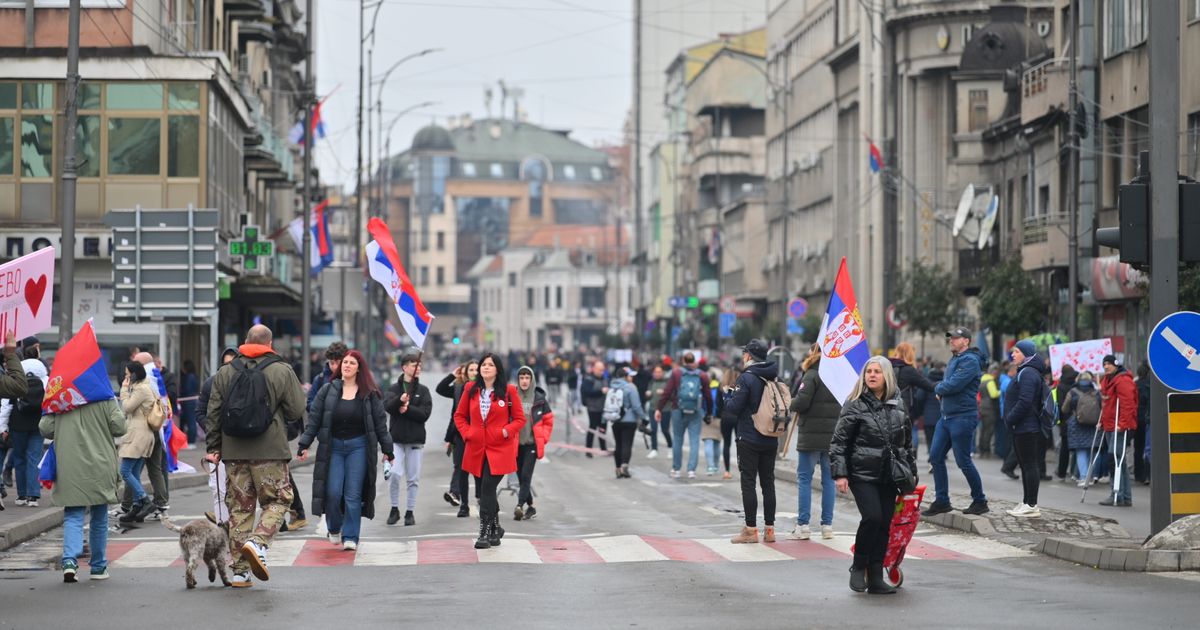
[[1189, 221], [1132, 238], [455, 340]]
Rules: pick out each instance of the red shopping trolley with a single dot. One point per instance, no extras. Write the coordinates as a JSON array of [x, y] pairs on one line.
[[904, 525]]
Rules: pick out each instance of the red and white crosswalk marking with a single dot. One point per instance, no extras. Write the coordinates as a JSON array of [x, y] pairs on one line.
[[318, 552]]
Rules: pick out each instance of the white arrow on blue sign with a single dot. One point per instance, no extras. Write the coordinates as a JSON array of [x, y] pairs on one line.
[[1172, 351]]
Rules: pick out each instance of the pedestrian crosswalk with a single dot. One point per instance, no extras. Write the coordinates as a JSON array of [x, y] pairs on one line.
[[319, 552]]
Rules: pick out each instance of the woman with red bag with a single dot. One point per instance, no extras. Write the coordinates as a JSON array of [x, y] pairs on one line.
[[490, 418]]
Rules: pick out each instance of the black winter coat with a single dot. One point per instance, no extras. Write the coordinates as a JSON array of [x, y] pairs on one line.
[[909, 380], [1023, 400], [818, 411], [859, 442], [928, 406], [320, 421], [447, 388], [408, 427], [744, 400]]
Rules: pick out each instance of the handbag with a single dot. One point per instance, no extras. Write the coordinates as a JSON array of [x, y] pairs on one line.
[[895, 466]]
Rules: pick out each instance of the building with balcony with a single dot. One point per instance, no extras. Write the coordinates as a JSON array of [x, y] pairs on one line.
[[180, 104]]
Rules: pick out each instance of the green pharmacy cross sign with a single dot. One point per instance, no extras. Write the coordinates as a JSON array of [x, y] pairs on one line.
[[250, 249]]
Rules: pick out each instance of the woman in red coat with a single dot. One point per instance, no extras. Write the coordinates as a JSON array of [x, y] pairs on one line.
[[490, 424]]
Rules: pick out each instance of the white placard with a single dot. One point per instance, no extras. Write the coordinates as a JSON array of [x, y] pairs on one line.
[[26, 294], [1084, 356]]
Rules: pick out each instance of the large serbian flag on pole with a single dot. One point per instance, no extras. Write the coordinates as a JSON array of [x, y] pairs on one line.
[[79, 375], [384, 264], [844, 348]]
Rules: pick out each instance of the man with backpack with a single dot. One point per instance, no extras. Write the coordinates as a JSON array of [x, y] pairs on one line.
[[252, 397], [761, 405], [688, 390], [19, 417]]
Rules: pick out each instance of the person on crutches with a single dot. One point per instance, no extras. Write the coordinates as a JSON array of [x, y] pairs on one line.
[[1118, 418]]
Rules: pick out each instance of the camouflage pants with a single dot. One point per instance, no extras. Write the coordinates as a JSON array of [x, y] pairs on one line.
[[250, 484]]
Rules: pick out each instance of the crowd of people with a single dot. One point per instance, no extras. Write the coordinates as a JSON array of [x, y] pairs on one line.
[[502, 418]]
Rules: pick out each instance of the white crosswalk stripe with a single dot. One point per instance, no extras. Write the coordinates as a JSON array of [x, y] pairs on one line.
[[150, 554], [386, 553], [625, 549], [743, 553], [514, 550]]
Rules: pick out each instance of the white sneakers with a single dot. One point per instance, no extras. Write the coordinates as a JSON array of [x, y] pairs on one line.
[[674, 474], [1025, 511], [803, 532], [349, 545], [652, 454], [691, 474], [335, 538]]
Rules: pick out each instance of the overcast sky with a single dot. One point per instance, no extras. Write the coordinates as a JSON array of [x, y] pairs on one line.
[[573, 58]]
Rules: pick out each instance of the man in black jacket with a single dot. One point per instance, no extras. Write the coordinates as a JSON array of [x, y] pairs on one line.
[[333, 370], [408, 405], [592, 389], [756, 452]]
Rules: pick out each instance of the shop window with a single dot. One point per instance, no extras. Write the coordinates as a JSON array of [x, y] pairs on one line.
[[37, 145], [183, 96], [134, 96], [6, 145], [37, 95], [183, 146], [8, 95], [133, 146], [87, 146]]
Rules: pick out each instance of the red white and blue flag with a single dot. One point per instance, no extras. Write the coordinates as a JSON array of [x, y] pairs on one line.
[[171, 436], [391, 334], [875, 155], [296, 135], [384, 264], [321, 255], [79, 375], [843, 339]]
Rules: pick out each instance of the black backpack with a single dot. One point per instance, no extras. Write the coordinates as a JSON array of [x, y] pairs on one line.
[[246, 410], [31, 403]]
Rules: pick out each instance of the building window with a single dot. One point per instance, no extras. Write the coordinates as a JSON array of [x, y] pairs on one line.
[[512, 279], [183, 146], [87, 151], [1043, 200], [441, 275], [1125, 25], [6, 145], [535, 171], [591, 297], [497, 170], [529, 298], [597, 173], [133, 145], [568, 172], [558, 297], [37, 145], [441, 241], [134, 96], [424, 276], [978, 113], [1194, 14], [468, 169], [1193, 142], [546, 297]]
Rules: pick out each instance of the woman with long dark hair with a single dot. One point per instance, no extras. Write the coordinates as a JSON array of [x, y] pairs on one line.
[[348, 416], [489, 417], [137, 401], [452, 387]]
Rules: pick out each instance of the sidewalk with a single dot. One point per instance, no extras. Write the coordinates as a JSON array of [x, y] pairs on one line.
[[19, 524]]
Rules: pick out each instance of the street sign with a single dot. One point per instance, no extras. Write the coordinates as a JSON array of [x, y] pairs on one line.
[[794, 327], [250, 249], [677, 301], [725, 324], [1172, 351], [728, 304], [708, 309], [798, 307], [894, 319], [693, 302], [164, 263], [1183, 411]]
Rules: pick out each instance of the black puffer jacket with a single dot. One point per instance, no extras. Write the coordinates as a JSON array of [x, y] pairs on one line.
[[447, 388], [859, 441], [320, 421], [909, 379], [818, 411], [408, 427]]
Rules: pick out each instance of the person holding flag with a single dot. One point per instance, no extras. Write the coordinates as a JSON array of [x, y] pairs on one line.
[[81, 415]]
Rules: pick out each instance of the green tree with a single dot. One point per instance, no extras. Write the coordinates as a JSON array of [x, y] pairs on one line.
[[926, 296], [1010, 302], [1189, 288]]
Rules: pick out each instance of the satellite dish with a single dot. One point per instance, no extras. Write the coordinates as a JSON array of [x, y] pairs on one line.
[[989, 221], [964, 206]]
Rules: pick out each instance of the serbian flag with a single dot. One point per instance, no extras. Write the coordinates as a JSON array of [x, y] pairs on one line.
[[321, 255], [79, 375], [390, 333], [296, 134], [384, 265], [875, 157], [843, 339]]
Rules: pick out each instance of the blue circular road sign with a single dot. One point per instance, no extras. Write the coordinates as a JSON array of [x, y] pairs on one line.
[[798, 307], [1172, 351]]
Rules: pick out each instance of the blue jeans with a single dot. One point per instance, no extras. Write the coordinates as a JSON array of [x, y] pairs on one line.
[[805, 460], [97, 539], [957, 432], [347, 470], [1082, 462], [131, 473], [1118, 441], [712, 453], [691, 425], [26, 455]]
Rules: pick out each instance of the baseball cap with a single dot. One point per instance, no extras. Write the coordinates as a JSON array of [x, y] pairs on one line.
[[756, 348], [958, 332], [1110, 358]]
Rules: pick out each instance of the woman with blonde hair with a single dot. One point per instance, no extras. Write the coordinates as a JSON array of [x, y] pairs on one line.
[[873, 437], [909, 379]]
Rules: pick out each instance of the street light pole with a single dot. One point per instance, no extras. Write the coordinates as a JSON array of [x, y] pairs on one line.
[[358, 180], [67, 212], [306, 207]]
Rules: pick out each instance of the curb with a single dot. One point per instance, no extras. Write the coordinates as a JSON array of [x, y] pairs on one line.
[[969, 523], [1114, 558], [30, 527]]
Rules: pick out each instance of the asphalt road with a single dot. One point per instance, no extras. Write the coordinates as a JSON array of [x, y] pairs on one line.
[[602, 553]]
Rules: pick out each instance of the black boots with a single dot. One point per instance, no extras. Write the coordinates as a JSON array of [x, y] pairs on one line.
[[138, 512], [495, 532], [394, 516], [485, 528], [409, 520], [875, 582], [858, 578], [464, 511]]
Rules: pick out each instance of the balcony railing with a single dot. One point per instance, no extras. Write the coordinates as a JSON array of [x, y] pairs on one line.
[[1037, 229], [1044, 88]]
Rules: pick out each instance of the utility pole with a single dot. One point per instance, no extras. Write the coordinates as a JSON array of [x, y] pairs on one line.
[[640, 312], [786, 91], [1164, 229], [66, 326], [1073, 185], [306, 207]]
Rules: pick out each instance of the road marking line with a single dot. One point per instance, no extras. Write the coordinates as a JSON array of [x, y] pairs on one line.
[[625, 549], [386, 553], [322, 553], [150, 555], [283, 552], [839, 543], [511, 550], [755, 552], [566, 552], [808, 550], [447, 551], [976, 548], [712, 510], [682, 549]]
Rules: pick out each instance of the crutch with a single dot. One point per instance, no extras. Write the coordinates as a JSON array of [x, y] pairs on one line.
[[1120, 461], [1094, 455]]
